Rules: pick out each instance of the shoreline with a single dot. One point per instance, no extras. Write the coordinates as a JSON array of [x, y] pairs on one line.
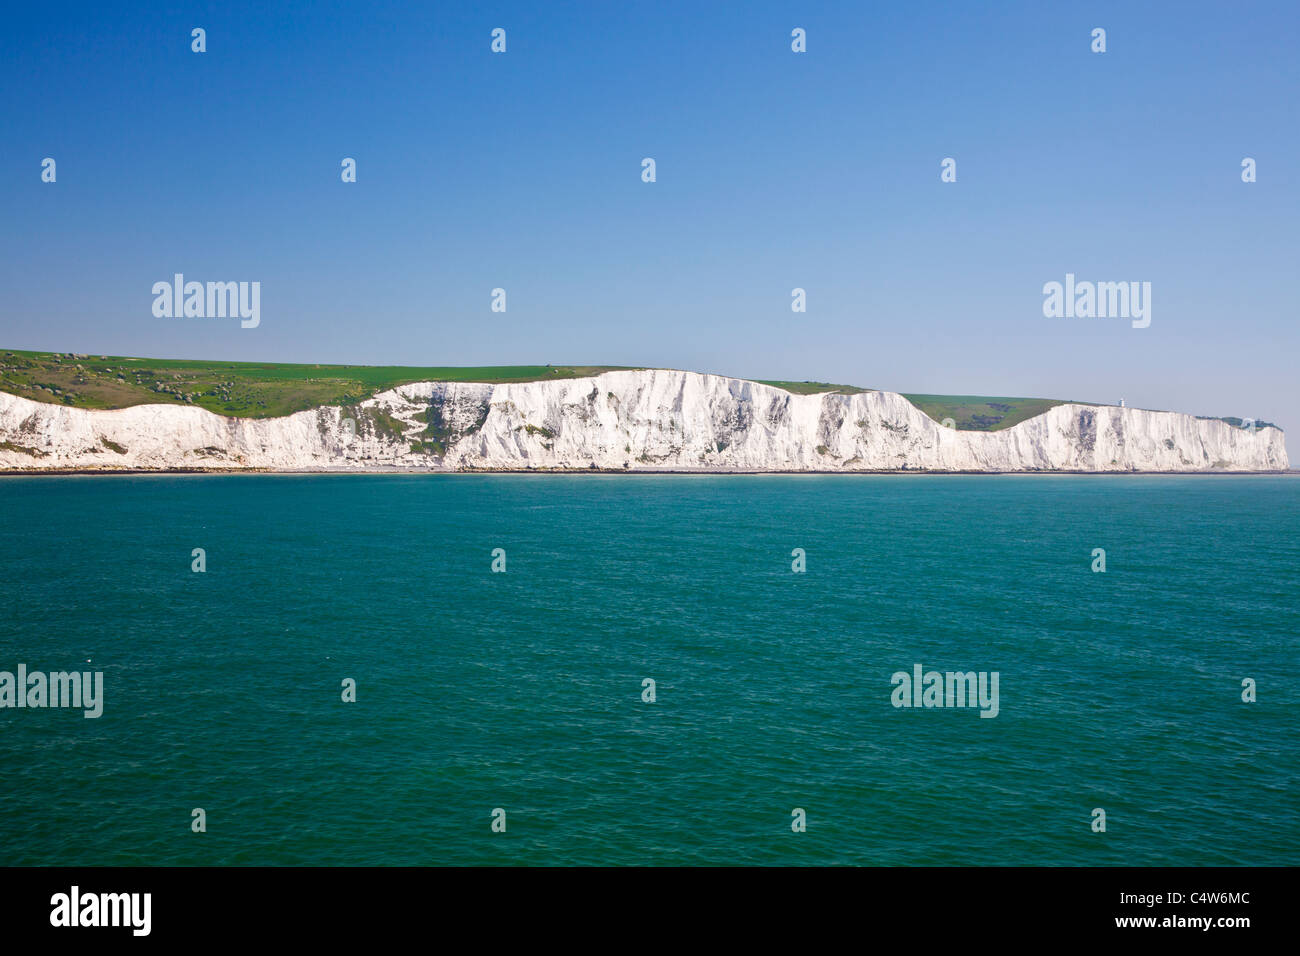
[[909, 472]]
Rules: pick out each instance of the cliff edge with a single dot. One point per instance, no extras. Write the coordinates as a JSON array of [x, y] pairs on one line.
[[638, 421]]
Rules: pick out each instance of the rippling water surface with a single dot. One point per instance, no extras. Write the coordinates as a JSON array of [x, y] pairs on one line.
[[523, 690]]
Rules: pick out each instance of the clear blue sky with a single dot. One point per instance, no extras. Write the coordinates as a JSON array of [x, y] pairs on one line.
[[775, 170]]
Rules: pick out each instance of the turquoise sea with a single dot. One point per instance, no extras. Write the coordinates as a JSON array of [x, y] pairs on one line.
[[523, 690]]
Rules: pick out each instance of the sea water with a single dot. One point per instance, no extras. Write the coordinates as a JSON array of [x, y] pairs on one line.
[[649, 680]]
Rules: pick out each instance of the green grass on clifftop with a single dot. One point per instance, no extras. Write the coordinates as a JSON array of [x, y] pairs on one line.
[[270, 389], [814, 388], [244, 389], [981, 413]]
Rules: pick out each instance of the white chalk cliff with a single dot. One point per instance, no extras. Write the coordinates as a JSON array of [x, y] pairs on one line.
[[640, 421]]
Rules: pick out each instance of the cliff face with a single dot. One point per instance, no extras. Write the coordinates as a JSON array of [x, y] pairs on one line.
[[654, 420]]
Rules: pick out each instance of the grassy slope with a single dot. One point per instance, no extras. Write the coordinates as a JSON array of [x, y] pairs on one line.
[[245, 389], [264, 390], [981, 413], [814, 388]]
